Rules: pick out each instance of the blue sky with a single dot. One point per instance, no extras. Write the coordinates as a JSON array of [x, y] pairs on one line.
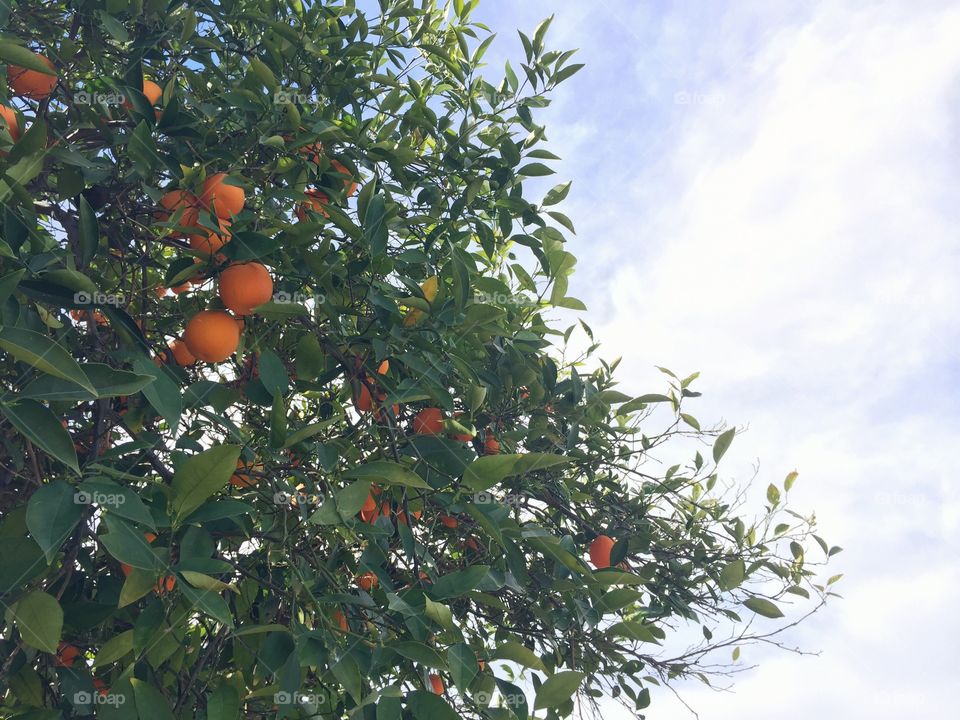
[[768, 193]]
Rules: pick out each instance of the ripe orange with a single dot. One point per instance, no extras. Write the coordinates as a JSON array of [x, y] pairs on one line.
[[436, 684], [341, 621], [172, 201], [402, 516], [30, 83], [245, 479], [209, 242], [212, 335], [244, 286], [428, 421], [600, 551], [153, 91], [349, 184], [227, 200], [370, 505], [66, 654], [463, 437], [362, 401], [491, 446], [447, 521], [10, 119], [181, 354], [481, 664], [314, 151], [367, 581], [101, 687], [315, 202]]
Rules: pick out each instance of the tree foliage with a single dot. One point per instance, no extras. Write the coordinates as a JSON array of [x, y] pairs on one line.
[[287, 533]]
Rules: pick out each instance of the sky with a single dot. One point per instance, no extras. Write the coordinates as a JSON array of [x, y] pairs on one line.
[[767, 193]]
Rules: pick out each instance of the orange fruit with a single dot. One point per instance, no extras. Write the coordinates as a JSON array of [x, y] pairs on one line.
[[314, 151], [436, 684], [481, 664], [362, 401], [101, 687], [463, 437], [315, 202], [10, 119], [165, 585], [491, 446], [367, 581], [212, 335], [370, 505], [447, 521], [244, 286], [172, 201], [245, 480], [30, 83], [227, 200], [67, 654], [207, 241], [428, 421], [153, 91], [341, 621], [402, 516], [181, 354], [349, 184], [600, 551]]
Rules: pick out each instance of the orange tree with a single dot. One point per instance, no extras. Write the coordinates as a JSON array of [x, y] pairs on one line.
[[286, 431]]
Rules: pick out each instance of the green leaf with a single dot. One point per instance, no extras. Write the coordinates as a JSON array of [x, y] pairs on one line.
[[420, 653], [52, 514], [13, 54], [773, 494], [205, 582], [209, 602], [278, 422], [558, 689], [790, 480], [634, 631], [114, 649], [425, 705], [40, 352], [118, 500], [389, 473], [43, 429], [200, 476], [151, 704], [485, 472], [459, 583], [107, 382], [351, 498], [732, 575], [520, 654], [764, 607], [722, 443], [463, 666], [127, 544], [39, 619], [163, 393], [8, 283], [223, 703], [136, 585]]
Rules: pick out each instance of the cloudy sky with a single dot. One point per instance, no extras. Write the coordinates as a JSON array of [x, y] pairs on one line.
[[767, 192]]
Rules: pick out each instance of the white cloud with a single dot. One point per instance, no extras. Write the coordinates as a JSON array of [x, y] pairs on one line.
[[792, 234]]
